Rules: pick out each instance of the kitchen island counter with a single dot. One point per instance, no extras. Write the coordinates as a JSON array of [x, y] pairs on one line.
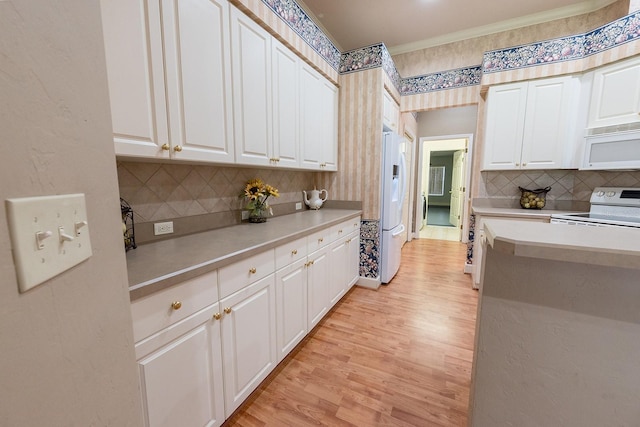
[[558, 326], [155, 266], [606, 246]]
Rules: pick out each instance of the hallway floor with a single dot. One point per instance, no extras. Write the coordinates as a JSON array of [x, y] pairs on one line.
[[440, 233]]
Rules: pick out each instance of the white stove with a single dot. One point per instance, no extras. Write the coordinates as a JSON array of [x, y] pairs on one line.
[[610, 207]]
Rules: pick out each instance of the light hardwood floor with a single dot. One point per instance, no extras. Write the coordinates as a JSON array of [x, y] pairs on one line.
[[398, 356], [440, 233]]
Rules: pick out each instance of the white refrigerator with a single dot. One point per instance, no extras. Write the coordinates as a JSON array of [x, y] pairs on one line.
[[393, 188]]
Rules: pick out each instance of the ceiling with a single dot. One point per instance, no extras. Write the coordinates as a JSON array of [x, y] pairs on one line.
[[407, 25]]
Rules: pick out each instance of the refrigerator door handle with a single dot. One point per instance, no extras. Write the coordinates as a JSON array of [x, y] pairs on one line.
[[403, 178], [399, 232]]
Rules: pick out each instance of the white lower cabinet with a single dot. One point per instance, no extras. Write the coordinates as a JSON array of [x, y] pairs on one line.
[[353, 268], [339, 278], [203, 346], [248, 340], [317, 286], [291, 303], [181, 377]]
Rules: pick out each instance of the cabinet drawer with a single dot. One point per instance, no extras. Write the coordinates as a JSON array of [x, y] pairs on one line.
[[291, 252], [319, 239], [345, 228], [161, 309], [236, 276]]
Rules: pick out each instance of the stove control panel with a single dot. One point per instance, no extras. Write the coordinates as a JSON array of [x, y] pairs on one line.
[[616, 196]]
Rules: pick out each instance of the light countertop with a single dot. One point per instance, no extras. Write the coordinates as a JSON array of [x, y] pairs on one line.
[[606, 246], [155, 266], [511, 208]]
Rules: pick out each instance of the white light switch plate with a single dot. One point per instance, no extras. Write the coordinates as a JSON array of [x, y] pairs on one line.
[[49, 235]]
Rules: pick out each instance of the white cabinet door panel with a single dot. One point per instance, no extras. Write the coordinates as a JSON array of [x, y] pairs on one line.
[[181, 381], [251, 56], [133, 50], [505, 126], [286, 142], [615, 98], [198, 70], [291, 305], [317, 282], [248, 340], [547, 123], [310, 129]]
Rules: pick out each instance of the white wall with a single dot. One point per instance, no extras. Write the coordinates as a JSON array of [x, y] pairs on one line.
[[66, 346], [448, 121]]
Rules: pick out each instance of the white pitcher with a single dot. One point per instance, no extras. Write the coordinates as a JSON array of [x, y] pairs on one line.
[[315, 201]]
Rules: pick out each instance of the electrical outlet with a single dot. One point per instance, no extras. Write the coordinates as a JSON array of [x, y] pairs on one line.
[[298, 206], [163, 228], [245, 214]]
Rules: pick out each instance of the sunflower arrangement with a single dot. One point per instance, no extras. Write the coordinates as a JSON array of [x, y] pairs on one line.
[[256, 192]]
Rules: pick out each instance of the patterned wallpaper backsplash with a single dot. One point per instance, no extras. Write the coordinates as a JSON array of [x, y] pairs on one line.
[[565, 184], [158, 191]]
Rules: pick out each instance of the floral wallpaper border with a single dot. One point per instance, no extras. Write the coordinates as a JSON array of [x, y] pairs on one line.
[[450, 79], [298, 20], [370, 248], [616, 33]]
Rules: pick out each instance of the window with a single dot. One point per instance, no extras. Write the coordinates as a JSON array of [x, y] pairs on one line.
[[436, 181]]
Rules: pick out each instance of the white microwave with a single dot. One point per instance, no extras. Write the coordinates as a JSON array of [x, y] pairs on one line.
[[620, 150]]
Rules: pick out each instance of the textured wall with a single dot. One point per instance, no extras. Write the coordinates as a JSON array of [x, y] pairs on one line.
[[359, 142], [67, 345]]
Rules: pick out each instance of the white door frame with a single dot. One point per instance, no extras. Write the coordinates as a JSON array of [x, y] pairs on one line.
[[411, 140], [467, 181]]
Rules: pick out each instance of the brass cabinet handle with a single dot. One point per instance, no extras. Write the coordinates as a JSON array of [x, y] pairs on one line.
[[252, 270], [320, 240], [165, 147], [176, 305], [217, 316], [177, 148], [294, 252], [339, 231], [227, 310]]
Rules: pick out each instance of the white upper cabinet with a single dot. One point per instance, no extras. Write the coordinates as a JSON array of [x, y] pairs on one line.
[[285, 68], [390, 112], [198, 72], [133, 48], [318, 121], [251, 54], [530, 124], [615, 97], [169, 73]]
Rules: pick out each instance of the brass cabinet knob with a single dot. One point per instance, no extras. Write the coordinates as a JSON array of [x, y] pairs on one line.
[[177, 148], [227, 310], [165, 147], [320, 240], [217, 316], [524, 164], [176, 305], [294, 252], [339, 231], [252, 270]]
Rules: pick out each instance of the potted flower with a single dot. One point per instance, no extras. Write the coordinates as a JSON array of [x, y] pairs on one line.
[[256, 192]]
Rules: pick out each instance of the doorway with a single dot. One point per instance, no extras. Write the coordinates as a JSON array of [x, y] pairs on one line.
[[443, 180]]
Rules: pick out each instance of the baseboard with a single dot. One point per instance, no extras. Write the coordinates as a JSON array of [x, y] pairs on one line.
[[367, 282]]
